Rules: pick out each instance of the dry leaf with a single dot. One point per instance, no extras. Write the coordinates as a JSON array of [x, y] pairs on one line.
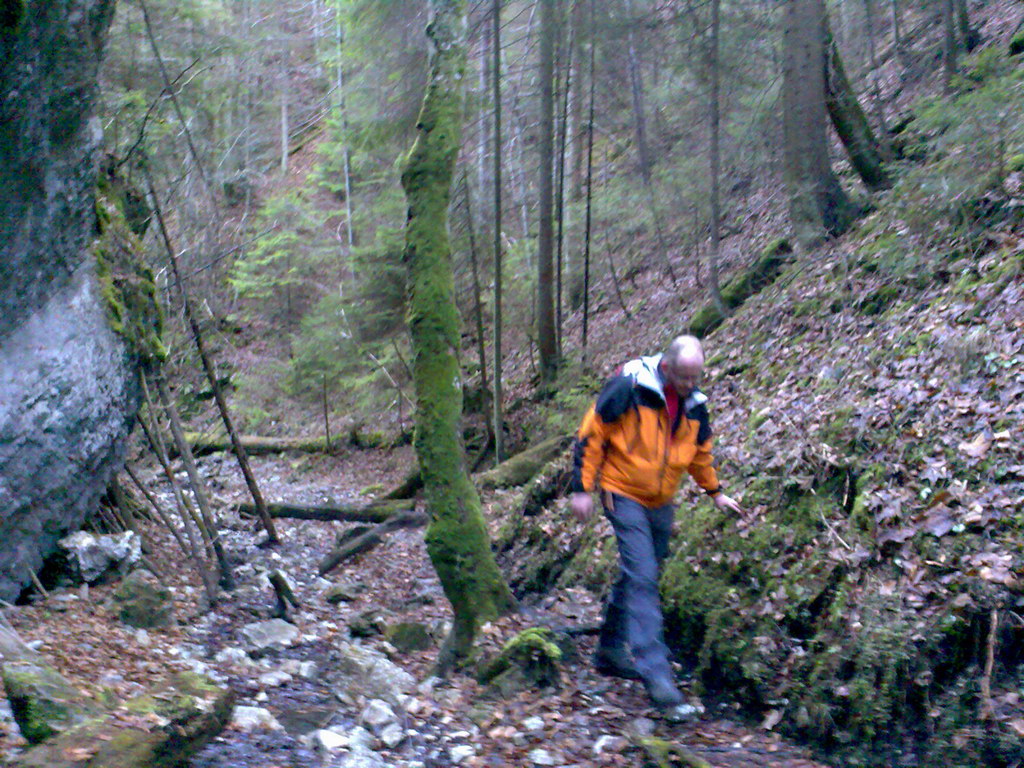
[[979, 446]]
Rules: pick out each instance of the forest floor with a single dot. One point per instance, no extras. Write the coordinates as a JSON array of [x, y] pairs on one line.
[[78, 632]]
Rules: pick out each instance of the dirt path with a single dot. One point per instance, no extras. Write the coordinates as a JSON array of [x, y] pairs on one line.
[[393, 583]]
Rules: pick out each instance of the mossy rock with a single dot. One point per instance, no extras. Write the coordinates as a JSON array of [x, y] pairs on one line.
[[754, 279], [409, 636], [162, 729], [529, 661], [43, 702], [876, 302], [142, 602], [1017, 43], [659, 753]]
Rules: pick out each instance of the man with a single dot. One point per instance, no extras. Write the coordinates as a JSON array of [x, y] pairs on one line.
[[648, 425]]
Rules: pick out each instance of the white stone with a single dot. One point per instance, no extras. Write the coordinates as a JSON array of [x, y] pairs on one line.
[[608, 743], [541, 757], [376, 715], [461, 753], [360, 738], [264, 634], [251, 718], [92, 555], [142, 637], [392, 735], [233, 656], [308, 670], [364, 672], [328, 741], [642, 727], [275, 678], [534, 724]]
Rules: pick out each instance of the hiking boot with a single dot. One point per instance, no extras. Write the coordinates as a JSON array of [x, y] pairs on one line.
[[615, 662], [663, 692]]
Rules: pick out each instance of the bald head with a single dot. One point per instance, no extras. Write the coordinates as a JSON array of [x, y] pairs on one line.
[[682, 364]]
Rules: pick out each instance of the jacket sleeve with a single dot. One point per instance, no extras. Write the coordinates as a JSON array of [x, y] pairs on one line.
[[592, 437], [702, 469]]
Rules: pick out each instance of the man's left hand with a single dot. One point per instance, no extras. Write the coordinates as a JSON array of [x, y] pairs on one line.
[[728, 503]]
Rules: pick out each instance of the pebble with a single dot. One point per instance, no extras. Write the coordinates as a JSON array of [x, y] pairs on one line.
[[142, 637], [275, 678], [377, 714], [534, 724], [251, 718], [541, 757], [642, 727], [460, 753], [608, 743], [392, 735], [328, 741]]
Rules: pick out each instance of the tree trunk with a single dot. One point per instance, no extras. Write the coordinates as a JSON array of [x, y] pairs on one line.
[[948, 46], [897, 38], [969, 36], [716, 213], [590, 190], [876, 91], [817, 203], [456, 538], [546, 342], [851, 123], [498, 421]]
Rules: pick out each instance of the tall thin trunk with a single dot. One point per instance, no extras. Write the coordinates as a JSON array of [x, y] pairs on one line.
[[560, 192], [948, 46], [478, 311], [590, 189], [968, 35], [716, 213], [636, 84], [546, 342], [484, 126], [211, 375], [456, 538], [339, 84], [499, 419], [876, 91], [284, 126], [897, 38]]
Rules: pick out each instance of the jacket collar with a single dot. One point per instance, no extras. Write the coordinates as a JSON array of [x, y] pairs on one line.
[[645, 373]]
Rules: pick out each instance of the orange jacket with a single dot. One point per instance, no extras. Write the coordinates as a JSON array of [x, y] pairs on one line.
[[627, 446]]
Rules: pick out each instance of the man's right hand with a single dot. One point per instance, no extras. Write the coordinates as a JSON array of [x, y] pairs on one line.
[[582, 506]]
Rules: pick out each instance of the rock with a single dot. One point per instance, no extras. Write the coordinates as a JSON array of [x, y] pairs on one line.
[[253, 718], [460, 753], [408, 636], [340, 593], [360, 738], [43, 702], [142, 638], [529, 661], [541, 757], [329, 741], [143, 602], [275, 678], [533, 724], [271, 633], [376, 715], [162, 728], [361, 671], [641, 727], [233, 656], [369, 623], [392, 735], [96, 559], [68, 383], [608, 743]]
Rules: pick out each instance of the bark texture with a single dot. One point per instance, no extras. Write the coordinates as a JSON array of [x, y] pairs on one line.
[[817, 203], [456, 538]]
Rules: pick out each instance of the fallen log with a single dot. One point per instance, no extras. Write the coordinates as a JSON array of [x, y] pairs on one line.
[[523, 467], [374, 512], [370, 539], [255, 445]]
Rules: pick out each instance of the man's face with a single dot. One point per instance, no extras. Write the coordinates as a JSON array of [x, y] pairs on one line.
[[683, 376]]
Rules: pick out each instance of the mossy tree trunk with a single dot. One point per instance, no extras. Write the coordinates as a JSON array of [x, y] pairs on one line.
[[816, 201], [457, 539], [850, 121]]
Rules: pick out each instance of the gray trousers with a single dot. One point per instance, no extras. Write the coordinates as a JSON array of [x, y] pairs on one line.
[[633, 614]]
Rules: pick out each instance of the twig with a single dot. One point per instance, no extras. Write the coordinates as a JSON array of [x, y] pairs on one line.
[[37, 584], [986, 712]]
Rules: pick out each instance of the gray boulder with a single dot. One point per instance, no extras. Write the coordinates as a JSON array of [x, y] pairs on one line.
[[68, 384], [274, 633], [94, 559], [365, 672]]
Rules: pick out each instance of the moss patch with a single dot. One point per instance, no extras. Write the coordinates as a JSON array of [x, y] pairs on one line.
[[528, 661], [127, 283], [759, 275]]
